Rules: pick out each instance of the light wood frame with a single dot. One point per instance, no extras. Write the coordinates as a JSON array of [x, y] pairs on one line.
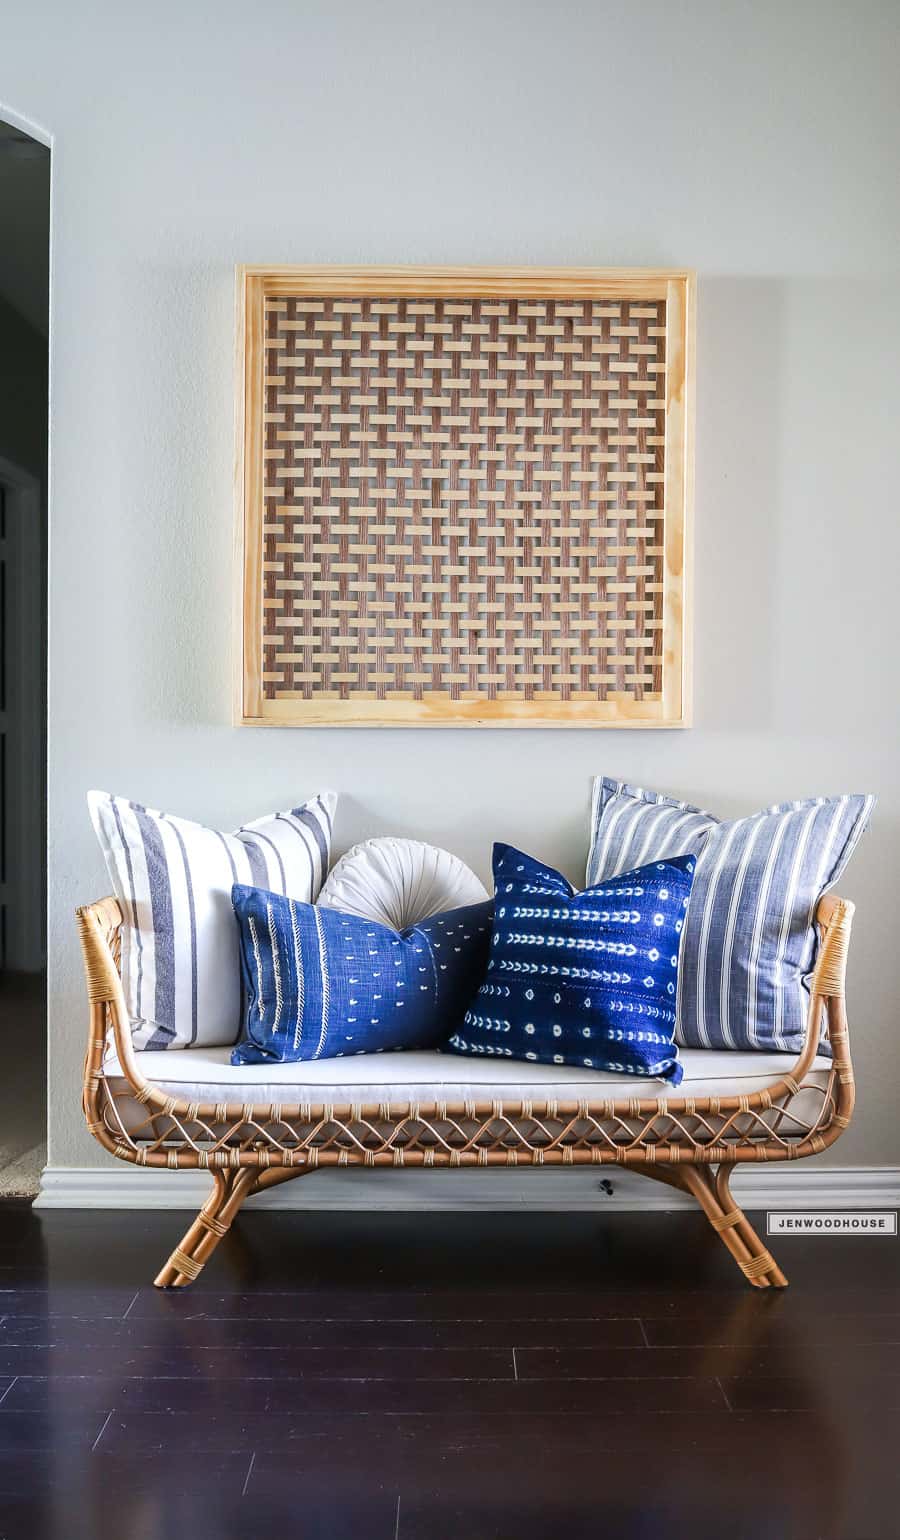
[[247, 1148], [255, 285]]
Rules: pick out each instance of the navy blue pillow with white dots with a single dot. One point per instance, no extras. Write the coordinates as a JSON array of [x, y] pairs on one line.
[[587, 979], [320, 984]]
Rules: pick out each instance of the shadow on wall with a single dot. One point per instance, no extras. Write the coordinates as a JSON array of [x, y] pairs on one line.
[[796, 560], [740, 349], [171, 482]]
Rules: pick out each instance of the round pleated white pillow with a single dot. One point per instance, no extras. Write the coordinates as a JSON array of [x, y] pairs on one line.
[[399, 882]]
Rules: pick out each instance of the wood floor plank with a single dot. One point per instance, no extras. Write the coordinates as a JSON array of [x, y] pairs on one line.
[[62, 1298], [83, 1395], [200, 1396], [37, 1430], [745, 1360], [860, 1394], [822, 1330], [421, 1444], [226, 1365], [252, 1333], [522, 1303]]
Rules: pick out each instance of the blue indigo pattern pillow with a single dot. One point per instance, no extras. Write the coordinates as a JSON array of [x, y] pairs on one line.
[[587, 979], [320, 984]]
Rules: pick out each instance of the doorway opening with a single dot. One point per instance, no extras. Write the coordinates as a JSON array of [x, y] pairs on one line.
[[24, 319]]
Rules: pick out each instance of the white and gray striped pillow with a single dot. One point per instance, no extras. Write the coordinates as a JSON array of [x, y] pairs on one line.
[[180, 944], [749, 940]]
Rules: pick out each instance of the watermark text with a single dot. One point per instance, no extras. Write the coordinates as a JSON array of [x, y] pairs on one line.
[[847, 1222]]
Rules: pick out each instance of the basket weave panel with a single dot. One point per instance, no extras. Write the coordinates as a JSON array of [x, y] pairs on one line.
[[463, 500]]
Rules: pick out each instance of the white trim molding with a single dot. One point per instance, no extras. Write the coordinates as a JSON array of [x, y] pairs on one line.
[[772, 1187], [26, 125]]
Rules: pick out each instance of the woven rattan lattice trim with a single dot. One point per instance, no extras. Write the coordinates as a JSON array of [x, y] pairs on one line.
[[539, 1134], [463, 499]]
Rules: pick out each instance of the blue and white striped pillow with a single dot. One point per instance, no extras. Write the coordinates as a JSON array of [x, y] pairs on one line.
[[180, 952], [749, 941]]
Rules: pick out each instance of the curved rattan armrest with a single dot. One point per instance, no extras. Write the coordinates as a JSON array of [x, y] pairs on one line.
[[98, 928], [100, 924], [834, 917]]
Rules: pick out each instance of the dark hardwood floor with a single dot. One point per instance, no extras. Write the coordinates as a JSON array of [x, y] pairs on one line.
[[420, 1376]]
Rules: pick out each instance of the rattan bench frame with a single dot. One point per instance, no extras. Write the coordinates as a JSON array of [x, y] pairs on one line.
[[249, 1147]]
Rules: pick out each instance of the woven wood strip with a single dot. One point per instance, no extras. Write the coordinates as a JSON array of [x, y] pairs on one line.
[[463, 500]]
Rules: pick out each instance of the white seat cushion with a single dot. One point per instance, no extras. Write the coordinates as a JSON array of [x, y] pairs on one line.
[[205, 1075]]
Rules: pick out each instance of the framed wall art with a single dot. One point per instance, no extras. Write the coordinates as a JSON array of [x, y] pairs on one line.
[[464, 496]]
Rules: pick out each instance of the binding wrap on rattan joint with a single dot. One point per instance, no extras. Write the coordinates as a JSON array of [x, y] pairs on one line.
[[831, 968], [100, 970], [757, 1266], [726, 1221], [185, 1264], [215, 1226]]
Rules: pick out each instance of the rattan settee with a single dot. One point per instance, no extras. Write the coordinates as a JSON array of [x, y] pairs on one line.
[[691, 1143]]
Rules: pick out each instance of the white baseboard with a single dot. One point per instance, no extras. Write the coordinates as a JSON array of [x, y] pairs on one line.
[[771, 1187]]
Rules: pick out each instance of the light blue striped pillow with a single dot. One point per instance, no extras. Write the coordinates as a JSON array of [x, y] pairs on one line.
[[749, 942], [180, 947]]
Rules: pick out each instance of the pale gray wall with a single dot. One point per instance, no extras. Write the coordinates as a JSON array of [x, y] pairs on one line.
[[756, 142]]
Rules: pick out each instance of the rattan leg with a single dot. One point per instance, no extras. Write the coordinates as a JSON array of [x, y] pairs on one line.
[[230, 1188], [725, 1221], [728, 1221], [763, 1263]]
